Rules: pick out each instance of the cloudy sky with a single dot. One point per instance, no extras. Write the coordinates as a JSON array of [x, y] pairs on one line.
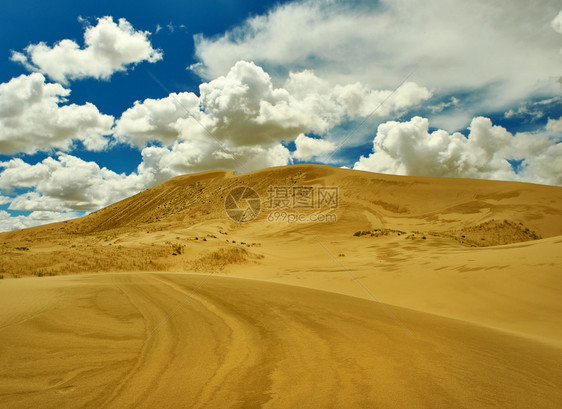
[[100, 100]]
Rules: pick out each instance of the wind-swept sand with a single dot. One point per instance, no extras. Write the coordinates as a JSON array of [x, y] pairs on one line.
[[107, 342], [291, 314]]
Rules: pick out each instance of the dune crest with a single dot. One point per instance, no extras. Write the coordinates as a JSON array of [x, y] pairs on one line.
[[406, 292]]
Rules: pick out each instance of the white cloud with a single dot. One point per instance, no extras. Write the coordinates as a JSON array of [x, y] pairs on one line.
[[503, 53], [5, 200], [443, 105], [159, 119], [308, 148], [34, 201], [163, 163], [33, 118], [408, 148], [319, 98], [109, 48], [9, 223], [524, 111], [243, 108], [77, 184], [557, 23], [554, 125]]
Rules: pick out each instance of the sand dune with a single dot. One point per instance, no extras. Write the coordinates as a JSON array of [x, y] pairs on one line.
[[426, 292], [247, 343]]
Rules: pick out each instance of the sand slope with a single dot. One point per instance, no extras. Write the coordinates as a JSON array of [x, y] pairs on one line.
[[291, 315], [245, 343]]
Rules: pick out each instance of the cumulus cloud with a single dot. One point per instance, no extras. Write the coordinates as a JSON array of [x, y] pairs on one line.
[[243, 108], [308, 148], [160, 120], [510, 54], [109, 47], [408, 148], [33, 117], [161, 163], [8, 222], [32, 201], [554, 125], [65, 182]]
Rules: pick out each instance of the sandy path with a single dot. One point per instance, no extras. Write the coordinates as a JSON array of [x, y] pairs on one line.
[[246, 343]]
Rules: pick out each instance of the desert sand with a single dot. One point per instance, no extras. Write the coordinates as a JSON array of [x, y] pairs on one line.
[[426, 292]]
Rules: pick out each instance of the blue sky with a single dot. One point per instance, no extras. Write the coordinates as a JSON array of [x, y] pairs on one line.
[[101, 100]]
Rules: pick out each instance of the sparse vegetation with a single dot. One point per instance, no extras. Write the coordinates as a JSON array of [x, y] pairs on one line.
[[177, 249], [493, 233], [86, 258], [490, 233], [221, 258], [377, 232]]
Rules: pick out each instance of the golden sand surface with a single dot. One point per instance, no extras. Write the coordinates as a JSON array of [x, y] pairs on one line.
[[426, 292], [108, 341]]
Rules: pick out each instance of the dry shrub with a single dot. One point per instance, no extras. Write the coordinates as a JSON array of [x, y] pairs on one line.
[[85, 260], [219, 259], [177, 248], [494, 233]]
